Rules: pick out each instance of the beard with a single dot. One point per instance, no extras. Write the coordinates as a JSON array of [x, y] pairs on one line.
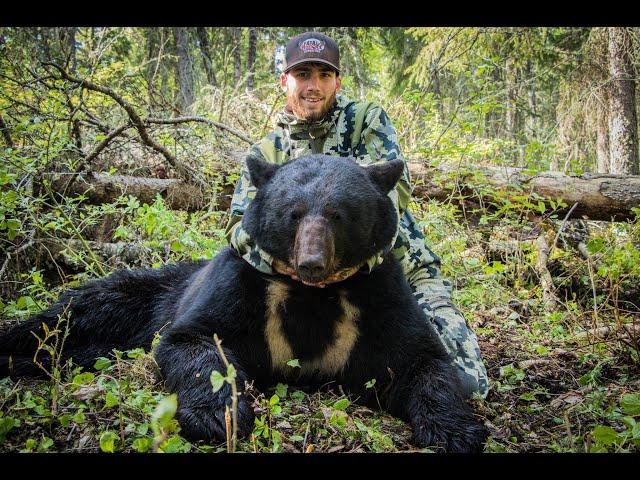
[[294, 104]]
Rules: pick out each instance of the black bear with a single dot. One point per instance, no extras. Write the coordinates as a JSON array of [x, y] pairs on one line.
[[317, 215]]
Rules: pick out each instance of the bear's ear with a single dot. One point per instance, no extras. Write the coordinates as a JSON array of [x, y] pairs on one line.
[[260, 172], [385, 174]]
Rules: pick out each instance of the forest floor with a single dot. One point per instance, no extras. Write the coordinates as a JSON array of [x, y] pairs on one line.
[[556, 384]]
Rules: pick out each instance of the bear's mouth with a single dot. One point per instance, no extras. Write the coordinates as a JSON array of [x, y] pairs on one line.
[[333, 276], [288, 269]]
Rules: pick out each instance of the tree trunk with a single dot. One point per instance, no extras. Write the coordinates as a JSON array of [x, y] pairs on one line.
[[623, 128], [511, 84], [205, 49], [153, 50], [602, 134], [185, 69], [251, 57], [532, 115], [236, 35], [357, 61]]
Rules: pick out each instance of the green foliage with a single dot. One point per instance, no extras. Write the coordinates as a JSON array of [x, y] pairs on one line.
[[160, 228]]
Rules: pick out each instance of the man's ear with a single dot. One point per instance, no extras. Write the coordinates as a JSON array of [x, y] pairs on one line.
[[385, 174], [283, 81], [260, 171], [338, 83]]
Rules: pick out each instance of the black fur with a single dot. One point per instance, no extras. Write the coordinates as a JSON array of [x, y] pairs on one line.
[[190, 302]]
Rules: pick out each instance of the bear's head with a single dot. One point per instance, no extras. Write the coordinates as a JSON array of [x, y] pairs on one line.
[[321, 214]]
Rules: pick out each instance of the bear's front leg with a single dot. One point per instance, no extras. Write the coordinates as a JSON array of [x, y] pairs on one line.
[[186, 360], [428, 396]]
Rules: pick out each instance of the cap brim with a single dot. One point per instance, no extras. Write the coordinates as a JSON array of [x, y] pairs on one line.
[[311, 60]]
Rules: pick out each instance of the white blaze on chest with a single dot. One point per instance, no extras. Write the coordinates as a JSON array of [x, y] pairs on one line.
[[335, 356]]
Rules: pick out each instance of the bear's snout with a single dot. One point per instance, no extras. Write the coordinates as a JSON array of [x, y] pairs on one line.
[[314, 249]]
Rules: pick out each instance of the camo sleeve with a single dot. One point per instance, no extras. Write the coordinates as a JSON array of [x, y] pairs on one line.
[[379, 142], [234, 233]]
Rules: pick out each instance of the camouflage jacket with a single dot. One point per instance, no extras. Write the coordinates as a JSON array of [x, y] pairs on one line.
[[293, 138]]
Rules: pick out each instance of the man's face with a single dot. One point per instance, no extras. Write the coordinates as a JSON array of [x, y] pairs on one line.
[[311, 90]]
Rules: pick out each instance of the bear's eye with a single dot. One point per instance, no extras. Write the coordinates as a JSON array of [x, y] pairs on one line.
[[295, 216], [336, 216]]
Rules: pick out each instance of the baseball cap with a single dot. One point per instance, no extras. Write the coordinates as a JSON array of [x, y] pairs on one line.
[[311, 47]]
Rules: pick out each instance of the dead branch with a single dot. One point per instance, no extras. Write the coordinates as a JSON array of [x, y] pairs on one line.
[[548, 295], [603, 332], [534, 362], [184, 170], [15, 251], [103, 144], [170, 121]]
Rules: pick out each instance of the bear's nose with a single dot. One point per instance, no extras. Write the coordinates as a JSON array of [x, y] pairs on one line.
[[311, 265]]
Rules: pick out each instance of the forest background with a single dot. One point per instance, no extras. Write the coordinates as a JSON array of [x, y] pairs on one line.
[[121, 147]]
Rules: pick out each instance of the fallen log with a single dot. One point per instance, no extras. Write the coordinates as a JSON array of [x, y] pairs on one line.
[[598, 196], [102, 188]]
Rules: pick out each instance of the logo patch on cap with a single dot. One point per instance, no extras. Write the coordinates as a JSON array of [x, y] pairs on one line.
[[312, 45]]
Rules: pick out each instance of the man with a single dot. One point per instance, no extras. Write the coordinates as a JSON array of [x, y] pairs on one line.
[[318, 120]]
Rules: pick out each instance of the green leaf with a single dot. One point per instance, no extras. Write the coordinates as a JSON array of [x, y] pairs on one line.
[[108, 441], [217, 380], [177, 246], [294, 363], [342, 404], [83, 378], [298, 395], [274, 400], [110, 400], [176, 444], [338, 419], [231, 373], [142, 445], [30, 444], [370, 383], [6, 424], [630, 403], [79, 418], [281, 390], [604, 435], [45, 444], [595, 245], [102, 363], [65, 420], [165, 411], [135, 353]]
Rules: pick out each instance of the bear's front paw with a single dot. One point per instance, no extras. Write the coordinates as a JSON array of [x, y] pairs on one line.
[[451, 435], [208, 423]]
